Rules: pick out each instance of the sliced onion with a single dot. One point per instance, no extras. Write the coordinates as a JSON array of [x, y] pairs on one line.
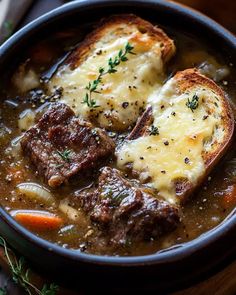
[[231, 168], [71, 212], [4, 132], [16, 141], [36, 192], [26, 119], [37, 212], [214, 70], [15, 149], [25, 79]]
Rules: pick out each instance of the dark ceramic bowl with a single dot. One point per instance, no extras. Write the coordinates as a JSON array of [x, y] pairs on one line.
[[167, 270]]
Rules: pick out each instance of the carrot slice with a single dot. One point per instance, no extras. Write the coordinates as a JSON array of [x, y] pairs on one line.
[[38, 220]]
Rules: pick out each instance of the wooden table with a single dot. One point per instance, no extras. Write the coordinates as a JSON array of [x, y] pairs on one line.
[[224, 282]]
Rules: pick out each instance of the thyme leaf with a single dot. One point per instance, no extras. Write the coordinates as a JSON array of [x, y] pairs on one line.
[[50, 289], [153, 130], [8, 27], [111, 69], [65, 155], [3, 291], [20, 274], [193, 103]]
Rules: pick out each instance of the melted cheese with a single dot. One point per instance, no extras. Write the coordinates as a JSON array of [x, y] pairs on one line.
[[177, 152], [122, 95]]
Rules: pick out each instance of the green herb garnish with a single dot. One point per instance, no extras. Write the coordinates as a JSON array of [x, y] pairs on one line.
[[20, 274], [3, 291], [193, 103], [65, 155], [8, 26], [108, 193], [153, 130], [115, 197], [112, 64]]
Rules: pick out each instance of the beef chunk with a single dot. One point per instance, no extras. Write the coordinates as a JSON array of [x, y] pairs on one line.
[[61, 145], [125, 211], [142, 126]]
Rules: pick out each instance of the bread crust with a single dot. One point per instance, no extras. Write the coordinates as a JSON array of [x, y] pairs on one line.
[[109, 24], [185, 80], [188, 79]]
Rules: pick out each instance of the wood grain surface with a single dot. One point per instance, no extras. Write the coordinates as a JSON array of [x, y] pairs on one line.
[[224, 282]]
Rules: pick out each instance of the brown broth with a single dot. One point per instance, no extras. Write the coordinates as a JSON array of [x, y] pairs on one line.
[[204, 210]]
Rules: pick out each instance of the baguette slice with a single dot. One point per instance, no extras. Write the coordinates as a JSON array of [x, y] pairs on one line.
[[121, 95], [180, 137]]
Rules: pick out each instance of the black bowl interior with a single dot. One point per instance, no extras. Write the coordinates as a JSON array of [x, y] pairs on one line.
[[183, 263]]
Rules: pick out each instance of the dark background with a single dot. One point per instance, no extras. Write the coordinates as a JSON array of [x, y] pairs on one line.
[[223, 11]]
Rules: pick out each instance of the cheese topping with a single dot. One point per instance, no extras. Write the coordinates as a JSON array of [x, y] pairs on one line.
[[122, 95], [184, 135]]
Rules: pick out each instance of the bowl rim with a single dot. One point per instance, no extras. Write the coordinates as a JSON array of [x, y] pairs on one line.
[[177, 252]]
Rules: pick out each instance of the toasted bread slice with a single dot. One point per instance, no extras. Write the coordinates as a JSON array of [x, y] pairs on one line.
[[180, 137], [122, 95]]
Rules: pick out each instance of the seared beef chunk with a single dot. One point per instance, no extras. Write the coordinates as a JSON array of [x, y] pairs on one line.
[[125, 211], [143, 124], [60, 145]]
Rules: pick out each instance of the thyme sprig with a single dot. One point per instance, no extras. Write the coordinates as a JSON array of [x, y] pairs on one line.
[[3, 291], [111, 69], [20, 274], [193, 103], [65, 155]]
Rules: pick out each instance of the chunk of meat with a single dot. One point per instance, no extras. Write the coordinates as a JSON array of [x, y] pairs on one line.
[[142, 125], [125, 211], [61, 145]]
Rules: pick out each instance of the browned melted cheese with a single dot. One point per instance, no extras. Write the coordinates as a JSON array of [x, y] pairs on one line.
[[183, 136]]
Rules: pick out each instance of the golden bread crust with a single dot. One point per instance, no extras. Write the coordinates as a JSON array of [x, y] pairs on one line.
[[113, 25]]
